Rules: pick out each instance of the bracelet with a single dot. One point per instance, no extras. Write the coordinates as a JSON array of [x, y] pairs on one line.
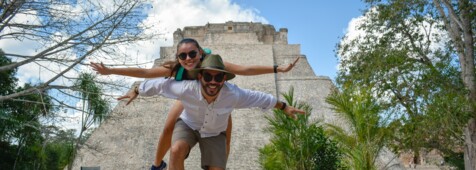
[[275, 68], [283, 106]]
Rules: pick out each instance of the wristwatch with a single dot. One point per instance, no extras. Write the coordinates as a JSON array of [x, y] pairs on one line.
[[136, 89], [283, 105]]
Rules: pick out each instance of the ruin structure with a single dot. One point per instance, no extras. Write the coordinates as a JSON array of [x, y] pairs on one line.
[[128, 138]]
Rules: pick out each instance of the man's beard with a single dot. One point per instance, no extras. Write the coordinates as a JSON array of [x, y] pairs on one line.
[[207, 88]]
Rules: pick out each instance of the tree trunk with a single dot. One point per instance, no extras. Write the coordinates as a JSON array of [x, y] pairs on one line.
[[460, 30], [75, 149], [83, 128], [20, 145], [469, 80], [470, 150]]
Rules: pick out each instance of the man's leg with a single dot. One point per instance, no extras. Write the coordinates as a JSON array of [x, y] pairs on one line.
[[228, 136], [213, 152], [183, 141], [178, 152]]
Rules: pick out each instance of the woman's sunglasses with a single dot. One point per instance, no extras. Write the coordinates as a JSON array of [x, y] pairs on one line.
[[218, 77], [191, 54]]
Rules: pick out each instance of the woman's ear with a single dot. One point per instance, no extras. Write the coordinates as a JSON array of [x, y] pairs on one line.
[[199, 75], [200, 51]]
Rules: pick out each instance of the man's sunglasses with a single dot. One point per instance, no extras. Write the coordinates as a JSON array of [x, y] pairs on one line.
[[218, 77], [191, 54]]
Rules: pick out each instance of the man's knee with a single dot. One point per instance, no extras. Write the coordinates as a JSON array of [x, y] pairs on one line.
[[179, 149]]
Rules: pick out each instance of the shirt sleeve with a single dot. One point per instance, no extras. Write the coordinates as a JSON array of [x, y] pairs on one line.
[[249, 98], [161, 86]]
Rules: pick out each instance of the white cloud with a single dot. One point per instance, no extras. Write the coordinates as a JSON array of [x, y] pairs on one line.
[[438, 37], [20, 46], [352, 31], [25, 47], [165, 17]]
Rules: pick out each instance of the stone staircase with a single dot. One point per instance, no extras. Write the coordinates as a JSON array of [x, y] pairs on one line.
[[428, 167]]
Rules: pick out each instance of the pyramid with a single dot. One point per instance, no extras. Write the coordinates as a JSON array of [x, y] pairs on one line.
[[128, 138]]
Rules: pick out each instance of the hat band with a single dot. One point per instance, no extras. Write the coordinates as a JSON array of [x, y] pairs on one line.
[[215, 67]]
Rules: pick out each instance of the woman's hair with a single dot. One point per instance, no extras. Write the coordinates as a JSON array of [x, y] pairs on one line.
[[175, 65]]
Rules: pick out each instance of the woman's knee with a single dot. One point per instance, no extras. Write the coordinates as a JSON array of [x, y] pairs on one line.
[[169, 128]]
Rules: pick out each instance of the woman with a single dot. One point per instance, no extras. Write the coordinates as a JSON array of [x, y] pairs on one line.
[[189, 55]]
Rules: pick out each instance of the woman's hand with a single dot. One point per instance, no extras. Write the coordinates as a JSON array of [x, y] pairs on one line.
[[100, 68], [288, 67]]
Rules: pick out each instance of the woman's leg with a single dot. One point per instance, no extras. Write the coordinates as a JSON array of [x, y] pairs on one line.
[[165, 138], [228, 136]]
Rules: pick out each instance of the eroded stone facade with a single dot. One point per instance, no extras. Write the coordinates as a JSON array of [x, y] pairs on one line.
[[127, 140]]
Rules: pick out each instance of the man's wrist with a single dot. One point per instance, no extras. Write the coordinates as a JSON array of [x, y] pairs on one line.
[[275, 68], [283, 105]]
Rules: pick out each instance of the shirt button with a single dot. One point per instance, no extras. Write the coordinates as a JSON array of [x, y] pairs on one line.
[[205, 121]]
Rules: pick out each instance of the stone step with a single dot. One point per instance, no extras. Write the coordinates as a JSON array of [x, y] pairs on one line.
[[425, 167]]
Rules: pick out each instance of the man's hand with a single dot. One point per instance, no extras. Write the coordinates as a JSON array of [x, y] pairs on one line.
[[288, 67], [131, 95], [100, 68], [291, 111]]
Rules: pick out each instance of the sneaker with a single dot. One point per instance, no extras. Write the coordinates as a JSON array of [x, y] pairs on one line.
[[162, 166]]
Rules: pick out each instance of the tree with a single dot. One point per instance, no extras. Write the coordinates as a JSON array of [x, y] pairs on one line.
[[25, 143], [69, 32], [367, 134], [298, 144], [420, 83], [20, 128], [59, 150], [460, 22], [21, 132], [95, 108], [8, 83]]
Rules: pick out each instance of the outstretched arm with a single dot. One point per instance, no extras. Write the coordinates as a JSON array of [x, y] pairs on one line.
[[250, 98], [168, 88], [257, 69], [132, 72], [289, 110]]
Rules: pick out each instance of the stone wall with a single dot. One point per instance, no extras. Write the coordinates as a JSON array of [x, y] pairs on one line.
[[233, 33]]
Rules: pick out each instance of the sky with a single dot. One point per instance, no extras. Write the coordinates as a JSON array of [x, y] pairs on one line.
[[316, 25]]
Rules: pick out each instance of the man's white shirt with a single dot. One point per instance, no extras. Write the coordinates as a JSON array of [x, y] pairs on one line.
[[209, 119]]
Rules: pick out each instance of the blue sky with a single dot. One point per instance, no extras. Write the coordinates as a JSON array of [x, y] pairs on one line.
[[316, 25]]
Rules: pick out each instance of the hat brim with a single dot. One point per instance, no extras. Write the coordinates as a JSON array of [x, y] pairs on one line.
[[194, 73]]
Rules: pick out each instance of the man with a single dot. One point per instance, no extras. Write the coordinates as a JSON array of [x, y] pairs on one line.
[[208, 102]]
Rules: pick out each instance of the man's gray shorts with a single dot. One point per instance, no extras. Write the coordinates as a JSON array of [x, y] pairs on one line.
[[212, 149]]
